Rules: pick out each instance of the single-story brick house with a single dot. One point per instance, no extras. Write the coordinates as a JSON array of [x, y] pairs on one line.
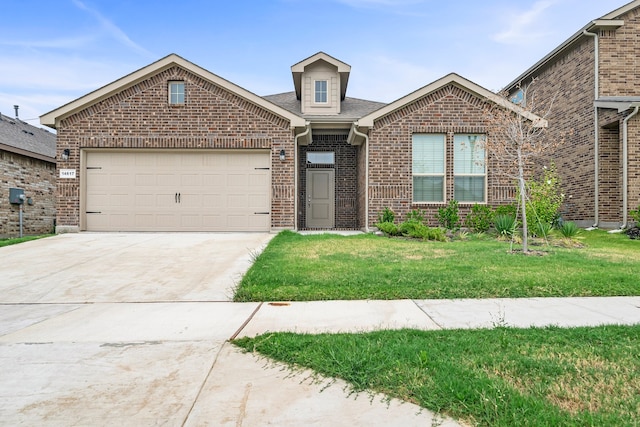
[[174, 147], [27, 162], [593, 78]]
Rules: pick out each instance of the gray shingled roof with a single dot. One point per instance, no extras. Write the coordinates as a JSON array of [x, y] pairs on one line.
[[20, 137], [351, 108]]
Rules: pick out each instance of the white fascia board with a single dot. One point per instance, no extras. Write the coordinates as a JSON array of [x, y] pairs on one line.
[[368, 120], [52, 118]]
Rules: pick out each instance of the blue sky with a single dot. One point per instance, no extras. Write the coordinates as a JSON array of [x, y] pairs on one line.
[[54, 51]]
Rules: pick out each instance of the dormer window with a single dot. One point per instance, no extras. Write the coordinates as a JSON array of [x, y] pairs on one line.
[[176, 93], [321, 91]]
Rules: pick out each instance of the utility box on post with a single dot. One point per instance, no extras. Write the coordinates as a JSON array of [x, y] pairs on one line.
[[16, 196]]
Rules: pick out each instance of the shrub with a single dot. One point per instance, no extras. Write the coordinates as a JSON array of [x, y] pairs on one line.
[[545, 198], [569, 229], [505, 225], [448, 217], [542, 229], [418, 230], [635, 215], [387, 215], [388, 228], [510, 210], [416, 215], [479, 219]]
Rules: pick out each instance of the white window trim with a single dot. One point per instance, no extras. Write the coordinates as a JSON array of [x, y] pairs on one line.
[[443, 175], [485, 175], [170, 83], [327, 93]]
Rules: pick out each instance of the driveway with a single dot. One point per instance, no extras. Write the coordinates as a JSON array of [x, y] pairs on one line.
[[127, 267]]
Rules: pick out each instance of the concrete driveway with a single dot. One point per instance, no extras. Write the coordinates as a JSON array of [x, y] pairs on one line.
[[131, 329]]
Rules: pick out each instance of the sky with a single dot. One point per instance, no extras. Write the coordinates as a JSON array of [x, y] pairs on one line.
[[55, 51]]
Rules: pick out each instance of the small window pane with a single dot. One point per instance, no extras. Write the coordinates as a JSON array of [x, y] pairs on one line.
[[428, 154], [321, 91], [468, 156], [321, 157], [469, 188], [176, 93], [428, 188]]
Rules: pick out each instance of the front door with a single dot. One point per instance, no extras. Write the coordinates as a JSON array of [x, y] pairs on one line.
[[321, 198]]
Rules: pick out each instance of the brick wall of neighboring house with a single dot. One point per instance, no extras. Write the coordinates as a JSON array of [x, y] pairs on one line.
[[449, 111], [346, 178], [361, 160], [566, 87], [212, 118], [634, 164], [619, 50], [37, 179]]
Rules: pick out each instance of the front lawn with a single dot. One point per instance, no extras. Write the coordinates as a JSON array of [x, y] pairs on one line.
[[498, 377], [330, 267], [16, 240]]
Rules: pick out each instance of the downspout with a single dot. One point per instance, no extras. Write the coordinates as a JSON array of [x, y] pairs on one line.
[[366, 176], [625, 166], [596, 136], [295, 172]]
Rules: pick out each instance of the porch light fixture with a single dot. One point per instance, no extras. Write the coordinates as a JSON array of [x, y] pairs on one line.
[[65, 154], [282, 155]]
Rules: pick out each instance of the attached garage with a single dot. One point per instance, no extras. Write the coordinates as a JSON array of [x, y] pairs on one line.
[[169, 190]]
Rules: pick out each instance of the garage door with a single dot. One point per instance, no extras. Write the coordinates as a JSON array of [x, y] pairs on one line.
[[177, 191]]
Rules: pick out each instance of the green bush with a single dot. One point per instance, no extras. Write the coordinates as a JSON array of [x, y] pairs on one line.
[[388, 228], [505, 225], [569, 229], [542, 229], [544, 197], [448, 217], [387, 215], [635, 215], [480, 218], [416, 215], [510, 210]]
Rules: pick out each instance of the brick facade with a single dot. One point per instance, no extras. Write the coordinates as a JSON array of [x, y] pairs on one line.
[[346, 179], [139, 117], [449, 110], [37, 179]]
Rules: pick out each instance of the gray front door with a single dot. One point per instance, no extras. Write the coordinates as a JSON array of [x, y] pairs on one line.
[[320, 198]]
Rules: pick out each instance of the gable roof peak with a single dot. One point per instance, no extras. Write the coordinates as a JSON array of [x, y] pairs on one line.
[[342, 68]]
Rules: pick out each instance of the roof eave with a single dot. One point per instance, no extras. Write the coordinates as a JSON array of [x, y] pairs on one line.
[[53, 118]]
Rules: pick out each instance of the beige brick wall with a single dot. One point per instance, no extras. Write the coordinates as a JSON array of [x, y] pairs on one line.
[[212, 118], [449, 110], [37, 179]]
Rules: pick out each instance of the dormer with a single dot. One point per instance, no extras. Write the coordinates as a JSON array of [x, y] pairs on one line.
[[321, 84]]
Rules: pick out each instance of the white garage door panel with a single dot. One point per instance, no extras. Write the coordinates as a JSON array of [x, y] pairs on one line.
[[177, 191]]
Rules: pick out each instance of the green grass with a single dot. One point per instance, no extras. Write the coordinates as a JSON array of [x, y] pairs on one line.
[[498, 377], [16, 240], [330, 267]]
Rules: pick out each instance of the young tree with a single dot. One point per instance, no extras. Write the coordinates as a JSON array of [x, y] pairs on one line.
[[517, 136]]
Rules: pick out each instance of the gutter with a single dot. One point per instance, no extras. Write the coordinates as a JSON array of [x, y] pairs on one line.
[[354, 128], [596, 133], [625, 166], [295, 174]]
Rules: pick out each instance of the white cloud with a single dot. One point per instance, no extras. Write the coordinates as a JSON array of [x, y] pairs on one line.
[[522, 26], [113, 30]]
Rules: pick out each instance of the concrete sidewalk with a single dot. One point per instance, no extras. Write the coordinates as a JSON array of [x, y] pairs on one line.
[[170, 363]]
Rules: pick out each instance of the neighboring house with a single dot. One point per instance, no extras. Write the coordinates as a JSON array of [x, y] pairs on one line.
[[174, 147], [27, 162], [594, 77]]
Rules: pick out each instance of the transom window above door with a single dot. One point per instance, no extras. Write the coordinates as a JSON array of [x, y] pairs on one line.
[[321, 157]]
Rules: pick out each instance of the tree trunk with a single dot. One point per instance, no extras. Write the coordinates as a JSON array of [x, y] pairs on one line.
[[523, 200]]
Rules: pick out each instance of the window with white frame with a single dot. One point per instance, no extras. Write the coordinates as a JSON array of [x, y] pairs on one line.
[[321, 91], [428, 166], [469, 168], [176, 92]]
